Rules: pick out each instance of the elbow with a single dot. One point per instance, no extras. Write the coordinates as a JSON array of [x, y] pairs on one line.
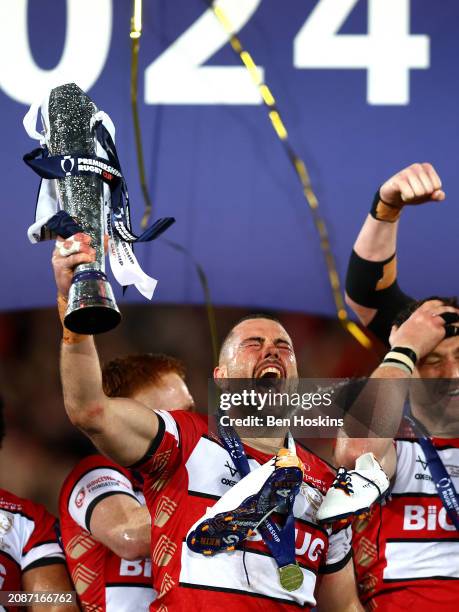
[[364, 314], [87, 416], [349, 302], [130, 549]]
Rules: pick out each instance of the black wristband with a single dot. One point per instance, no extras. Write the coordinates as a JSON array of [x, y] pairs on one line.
[[404, 350]]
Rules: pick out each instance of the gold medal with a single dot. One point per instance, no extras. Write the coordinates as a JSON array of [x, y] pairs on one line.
[[290, 576]]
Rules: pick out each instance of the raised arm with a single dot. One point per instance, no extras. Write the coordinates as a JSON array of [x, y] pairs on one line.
[[121, 428], [372, 290]]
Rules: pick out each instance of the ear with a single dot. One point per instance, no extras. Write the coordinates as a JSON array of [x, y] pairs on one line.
[[220, 372]]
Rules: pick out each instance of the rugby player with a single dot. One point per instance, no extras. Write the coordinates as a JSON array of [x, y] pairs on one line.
[[105, 524], [31, 557], [411, 558], [186, 471]]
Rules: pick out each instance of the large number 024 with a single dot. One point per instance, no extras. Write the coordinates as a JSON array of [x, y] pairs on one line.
[[388, 52]]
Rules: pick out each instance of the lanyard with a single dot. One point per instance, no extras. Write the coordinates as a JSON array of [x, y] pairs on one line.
[[442, 480], [443, 483], [280, 541]]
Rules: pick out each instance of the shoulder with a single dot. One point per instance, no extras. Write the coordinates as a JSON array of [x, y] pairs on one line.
[[25, 507], [185, 426], [90, 466], [92, 478]]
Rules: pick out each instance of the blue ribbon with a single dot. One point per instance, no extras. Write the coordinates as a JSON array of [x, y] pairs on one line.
[[280, 541], [442, 480], [443, 483], [107, 170]]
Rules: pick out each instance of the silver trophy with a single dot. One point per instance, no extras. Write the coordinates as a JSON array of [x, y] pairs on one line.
[[91, 304]]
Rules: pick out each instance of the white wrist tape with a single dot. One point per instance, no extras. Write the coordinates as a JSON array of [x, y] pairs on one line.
[[73, 248]]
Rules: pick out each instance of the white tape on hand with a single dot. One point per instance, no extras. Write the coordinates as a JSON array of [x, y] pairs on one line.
[[73, 248]]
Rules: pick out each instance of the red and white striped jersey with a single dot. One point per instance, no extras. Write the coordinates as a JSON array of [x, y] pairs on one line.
[[185, 472], [28, 539], [103, 581], [418, 563]]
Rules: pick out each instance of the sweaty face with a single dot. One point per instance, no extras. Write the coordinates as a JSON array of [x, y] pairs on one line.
[[258, 348], [171, 394]]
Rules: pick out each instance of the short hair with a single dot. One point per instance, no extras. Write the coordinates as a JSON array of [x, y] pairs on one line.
[[255, 315], [125, 376], [2, 423], [410, 308]]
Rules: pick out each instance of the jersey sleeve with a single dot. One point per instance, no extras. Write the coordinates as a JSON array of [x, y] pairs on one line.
[[98, 482], [41, 545], [178, 433], [339, 551]]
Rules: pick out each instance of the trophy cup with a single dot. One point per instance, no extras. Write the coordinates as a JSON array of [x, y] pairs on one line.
[[91, 304]]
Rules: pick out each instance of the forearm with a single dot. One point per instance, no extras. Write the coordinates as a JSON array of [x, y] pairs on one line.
[[84, 399], [377, 240], [134, 536], [121, 524], [374, 419]]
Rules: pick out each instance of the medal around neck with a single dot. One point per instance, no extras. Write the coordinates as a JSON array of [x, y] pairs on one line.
[[290, 577]]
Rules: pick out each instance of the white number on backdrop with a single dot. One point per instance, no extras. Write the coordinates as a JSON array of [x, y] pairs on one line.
[[388, 51], [87, 42], [177, 76]]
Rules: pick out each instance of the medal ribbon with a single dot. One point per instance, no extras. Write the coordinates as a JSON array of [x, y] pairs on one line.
[[443, 483], [280, 541], [442, 480]]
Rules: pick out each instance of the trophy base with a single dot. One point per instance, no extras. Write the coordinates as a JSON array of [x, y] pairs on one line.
[[92, 308]]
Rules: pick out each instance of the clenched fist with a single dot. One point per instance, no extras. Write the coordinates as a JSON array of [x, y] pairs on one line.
[[417, 184]]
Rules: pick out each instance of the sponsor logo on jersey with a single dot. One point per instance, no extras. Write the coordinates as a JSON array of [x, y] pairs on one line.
[[135, 567], [232, 469], [417, 517], [453, 470], [79, 499]]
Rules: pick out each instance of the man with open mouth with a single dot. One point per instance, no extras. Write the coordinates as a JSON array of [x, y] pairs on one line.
[[234, 522]]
